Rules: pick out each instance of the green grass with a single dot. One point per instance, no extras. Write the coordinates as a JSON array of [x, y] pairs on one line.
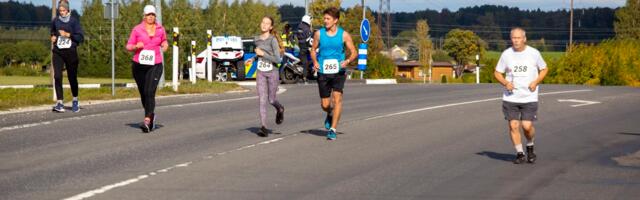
[[16, 98], [42, 80], [547, 55]]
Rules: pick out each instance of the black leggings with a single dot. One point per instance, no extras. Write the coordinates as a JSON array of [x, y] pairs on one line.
[[68, 58], [147, 78]]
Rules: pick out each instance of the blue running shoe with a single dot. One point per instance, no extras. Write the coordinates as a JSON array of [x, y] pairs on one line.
[[331, 135], [327, 121], [59, 107], [75, 106]]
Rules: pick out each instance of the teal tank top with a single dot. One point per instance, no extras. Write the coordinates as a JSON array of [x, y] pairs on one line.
[[331, 47]]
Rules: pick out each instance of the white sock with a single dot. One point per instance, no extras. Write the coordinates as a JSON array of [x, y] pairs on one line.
[[519, 148], [530, 143], [75, 98], [60, 101], [334, 130]]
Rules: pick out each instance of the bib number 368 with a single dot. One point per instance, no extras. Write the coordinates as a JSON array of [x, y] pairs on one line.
[[147, 57], [330, 66]]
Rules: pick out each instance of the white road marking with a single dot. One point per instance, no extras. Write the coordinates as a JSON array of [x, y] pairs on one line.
[[581, 102], [464, 103], [106, 188], [8, 128]]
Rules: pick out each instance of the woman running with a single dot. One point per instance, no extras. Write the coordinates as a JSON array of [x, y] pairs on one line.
[[148, 40], [268, 51]]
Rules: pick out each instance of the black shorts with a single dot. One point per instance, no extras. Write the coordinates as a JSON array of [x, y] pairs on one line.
[[520, 111], [328, 83]]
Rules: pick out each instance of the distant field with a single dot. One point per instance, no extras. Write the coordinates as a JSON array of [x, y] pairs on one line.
[[547, 55], [42, 80]]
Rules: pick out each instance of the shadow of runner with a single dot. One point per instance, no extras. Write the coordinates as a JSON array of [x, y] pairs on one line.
[[498, 156], [255, 131], [318, 132], [137, 126]]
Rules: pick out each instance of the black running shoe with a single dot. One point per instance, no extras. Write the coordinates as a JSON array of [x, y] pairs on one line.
[[519, 158], [531, 157], [263, 132], [145, 127], [280, 116]]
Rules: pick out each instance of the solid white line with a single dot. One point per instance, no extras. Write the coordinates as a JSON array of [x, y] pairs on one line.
[[464, 103], [106, 188]]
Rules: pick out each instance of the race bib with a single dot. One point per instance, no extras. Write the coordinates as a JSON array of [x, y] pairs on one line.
[[147, 57], [520, 70], [264, 65], [330, 66], [63, 43]]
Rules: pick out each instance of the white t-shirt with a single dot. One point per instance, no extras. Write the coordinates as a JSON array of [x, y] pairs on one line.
[[521, 69]]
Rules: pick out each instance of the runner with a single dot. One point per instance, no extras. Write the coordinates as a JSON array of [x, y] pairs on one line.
[[148, 40], [330, 65], [66, 35], [268, 51], [525, 69]]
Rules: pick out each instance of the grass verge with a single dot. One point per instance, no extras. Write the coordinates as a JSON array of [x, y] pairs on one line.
[[17, 98]]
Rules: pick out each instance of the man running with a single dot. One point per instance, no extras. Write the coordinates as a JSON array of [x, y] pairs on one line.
[[330, 65], [525, 69]]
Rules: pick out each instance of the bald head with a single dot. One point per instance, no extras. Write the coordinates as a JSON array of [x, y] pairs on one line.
[[518, 38]]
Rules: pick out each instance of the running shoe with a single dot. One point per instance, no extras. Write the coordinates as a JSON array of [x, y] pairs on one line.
[[331, 135], [146, 125], [519, 158], [263, 132], [531, 157], [75, 106], [280, 116], [59, 107], [327, 120]]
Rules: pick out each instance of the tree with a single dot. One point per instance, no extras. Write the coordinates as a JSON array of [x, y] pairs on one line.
[[627, 23], [463, 45], [424, 44], [318, 6]]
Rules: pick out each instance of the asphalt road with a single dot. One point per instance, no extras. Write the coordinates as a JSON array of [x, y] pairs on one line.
[[397, 142]]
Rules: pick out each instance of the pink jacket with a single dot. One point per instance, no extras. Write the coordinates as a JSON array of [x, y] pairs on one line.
[[139, 34]]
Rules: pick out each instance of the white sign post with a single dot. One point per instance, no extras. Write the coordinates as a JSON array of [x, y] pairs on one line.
[[192, 70], [208, 56], [175, 77]]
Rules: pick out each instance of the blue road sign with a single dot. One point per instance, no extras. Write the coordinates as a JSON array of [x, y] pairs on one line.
[[365, 30]]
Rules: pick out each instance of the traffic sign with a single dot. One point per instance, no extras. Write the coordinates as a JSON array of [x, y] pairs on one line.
[[365, 30]]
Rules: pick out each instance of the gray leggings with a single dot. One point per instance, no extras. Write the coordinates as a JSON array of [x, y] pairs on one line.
[[267, 86]]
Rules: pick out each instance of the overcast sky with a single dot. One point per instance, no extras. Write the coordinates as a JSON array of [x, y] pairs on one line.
[[413, 5]]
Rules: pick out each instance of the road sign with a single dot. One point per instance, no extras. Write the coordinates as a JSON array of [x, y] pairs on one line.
[[365, 30], [362, 57]]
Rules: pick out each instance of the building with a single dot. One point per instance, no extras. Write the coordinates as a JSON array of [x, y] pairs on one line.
[[413, 70]]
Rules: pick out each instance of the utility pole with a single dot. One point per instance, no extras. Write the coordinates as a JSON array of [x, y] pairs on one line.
[[51, 71], [158, 5], [571, 28]]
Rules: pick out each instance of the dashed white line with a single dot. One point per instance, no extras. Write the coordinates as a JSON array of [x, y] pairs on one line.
[[463, 103], [106, 188]]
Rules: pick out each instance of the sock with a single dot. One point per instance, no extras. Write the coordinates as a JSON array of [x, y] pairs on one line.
[[75, 98], [519, 148], [60, 101], [333, 129], [530, 143]]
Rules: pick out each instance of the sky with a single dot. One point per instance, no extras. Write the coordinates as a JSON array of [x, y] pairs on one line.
[[413, 5]]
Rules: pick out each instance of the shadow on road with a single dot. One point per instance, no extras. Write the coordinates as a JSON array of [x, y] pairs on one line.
[[628, 133], [137, 126], [255, 131], [497, 156], [318, 132]]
